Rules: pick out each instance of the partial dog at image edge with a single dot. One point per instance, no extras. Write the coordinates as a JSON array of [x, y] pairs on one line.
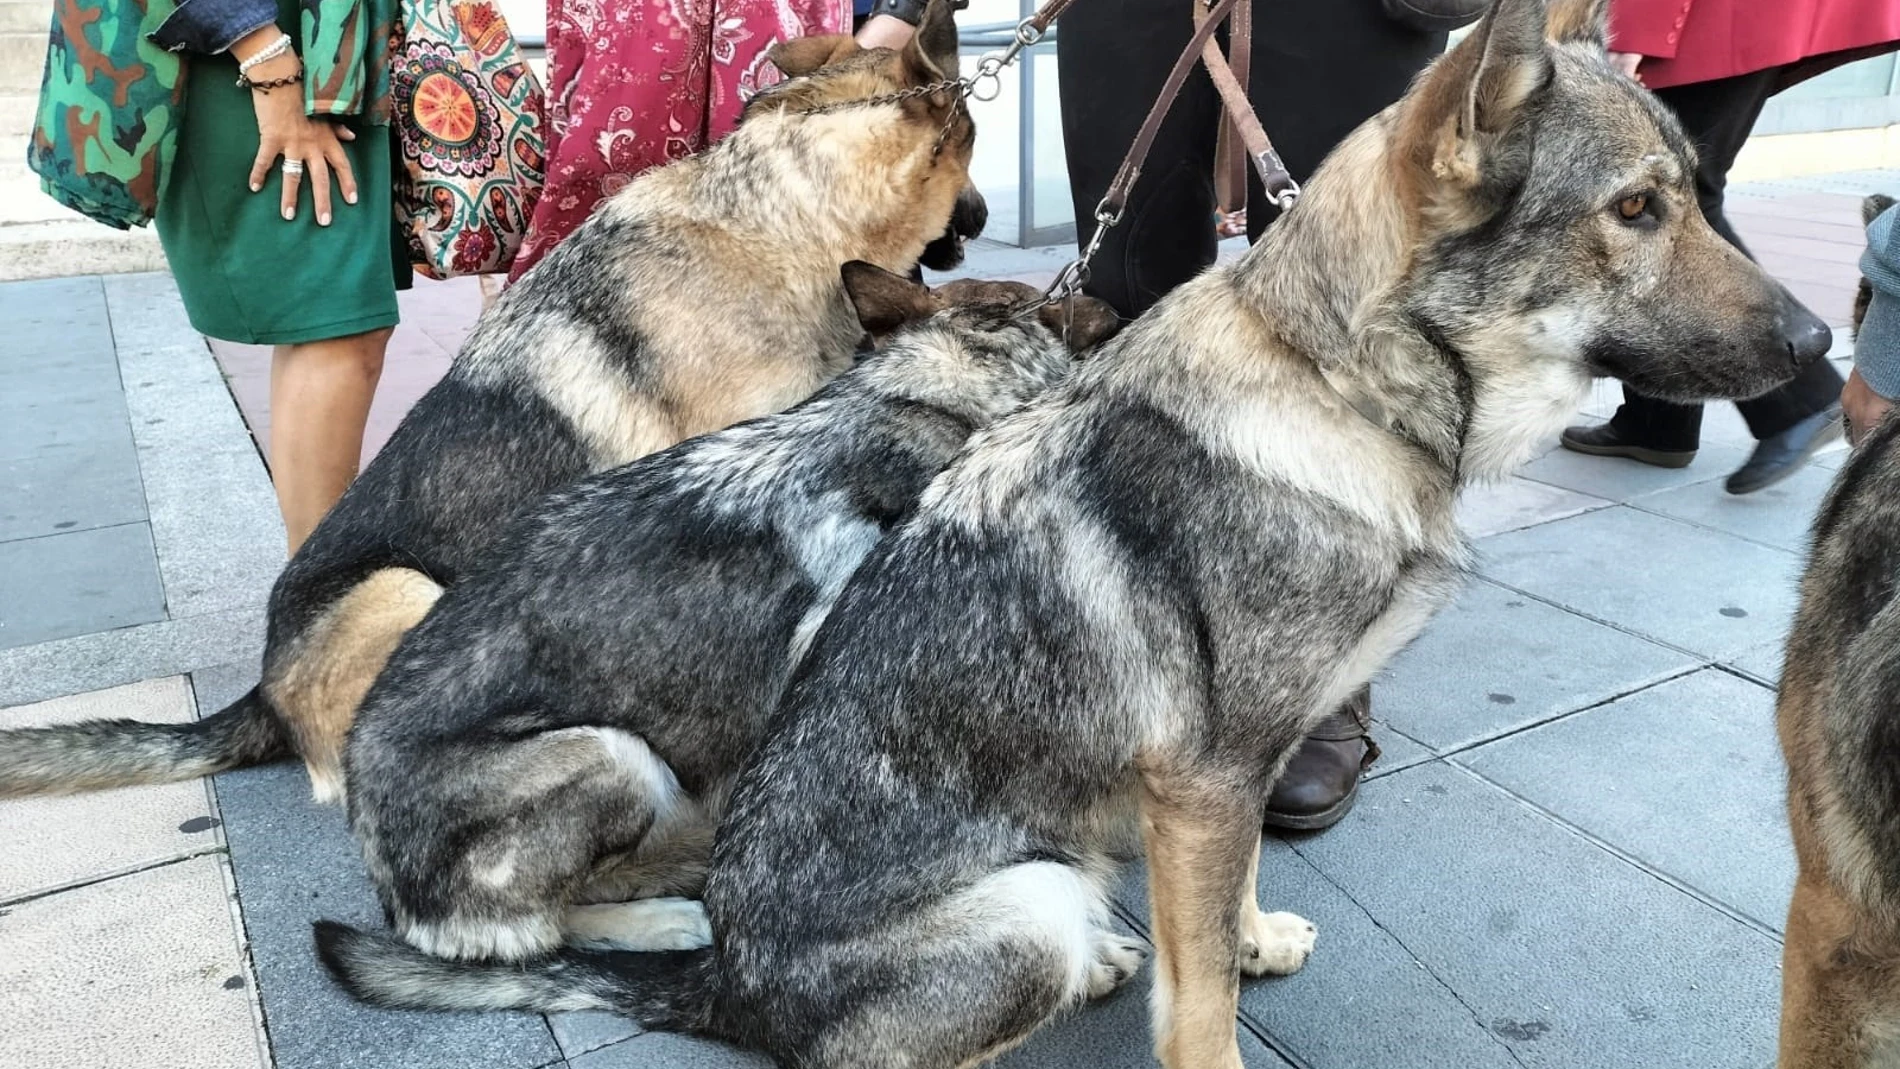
[[1115, 615], [704, 293], [545, 756], [1839, 721]]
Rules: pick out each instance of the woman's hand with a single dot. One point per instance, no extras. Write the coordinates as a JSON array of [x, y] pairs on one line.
[[1863, 407], [883, 31], [284, 130]]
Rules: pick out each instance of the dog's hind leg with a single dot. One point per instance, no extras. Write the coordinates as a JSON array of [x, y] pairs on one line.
[[332, 668], [1840, 985], [980, 971], [1201, 836], [493, 865]]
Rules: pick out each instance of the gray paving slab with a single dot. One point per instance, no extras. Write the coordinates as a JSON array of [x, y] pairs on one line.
[[54, 320], [1704, 591], [1625, 480], [1396, 750], [1518, 503], [658, 1049], [52, 843], [1685, 777], [1573, 957], [76, 487], [1110, 1034], [1401, 1014], [295, 862], [1778, 516], [135, 971], [78, 583], [215, 523], [109, 658], [589, 1030], [1763, 662], [1496, 661]]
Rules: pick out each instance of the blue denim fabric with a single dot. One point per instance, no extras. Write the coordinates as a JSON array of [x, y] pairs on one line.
[[212, 26]]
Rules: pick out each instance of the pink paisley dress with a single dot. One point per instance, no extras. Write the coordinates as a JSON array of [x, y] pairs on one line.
[[635, 83]]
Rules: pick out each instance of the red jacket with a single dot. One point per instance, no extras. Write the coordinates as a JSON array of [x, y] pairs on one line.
[[1690, 41]]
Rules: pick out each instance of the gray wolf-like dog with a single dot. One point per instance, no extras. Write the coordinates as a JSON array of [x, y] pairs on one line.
[[561, 730], [1113, 617], [1839, 721], [704, 293]]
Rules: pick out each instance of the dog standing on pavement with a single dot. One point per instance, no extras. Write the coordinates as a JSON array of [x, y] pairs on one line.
[[1114, 616], [704, 293], [1839, 721], [564, 726]]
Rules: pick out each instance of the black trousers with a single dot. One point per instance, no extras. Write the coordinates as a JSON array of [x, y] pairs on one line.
[[1718, 116], [1320, 68]]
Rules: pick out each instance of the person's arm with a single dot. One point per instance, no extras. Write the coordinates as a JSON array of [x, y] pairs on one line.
[[211, 27], [1648, 27], [1871, 389], [885, 31]]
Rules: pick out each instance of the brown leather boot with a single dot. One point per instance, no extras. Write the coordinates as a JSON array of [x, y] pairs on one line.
[[1322, 781]]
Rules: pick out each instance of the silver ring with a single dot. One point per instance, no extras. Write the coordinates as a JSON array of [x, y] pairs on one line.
[[293, 166]]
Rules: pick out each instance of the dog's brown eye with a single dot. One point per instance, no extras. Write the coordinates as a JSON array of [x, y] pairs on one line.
[[1633, 207]]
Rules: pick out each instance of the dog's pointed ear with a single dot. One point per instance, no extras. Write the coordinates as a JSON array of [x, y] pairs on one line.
[[802, 55], [1476, 93], [1871, 208], [931, 53], [1579, 22], [884, 300], [1088, 322]]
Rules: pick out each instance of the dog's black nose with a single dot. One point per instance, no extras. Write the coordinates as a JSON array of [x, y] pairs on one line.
[[1807, 338]]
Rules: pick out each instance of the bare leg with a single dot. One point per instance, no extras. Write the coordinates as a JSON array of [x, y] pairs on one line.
[[320, 394]]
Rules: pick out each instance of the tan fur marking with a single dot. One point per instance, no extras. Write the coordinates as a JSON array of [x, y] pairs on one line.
[[1199, 836], [341, 655]]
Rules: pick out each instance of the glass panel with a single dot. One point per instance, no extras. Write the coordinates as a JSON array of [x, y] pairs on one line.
[[995, 166], [1051, 205], [1867, 78]]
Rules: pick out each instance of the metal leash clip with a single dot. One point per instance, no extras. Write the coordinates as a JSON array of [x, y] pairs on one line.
[[1075, 274], [987, 83]]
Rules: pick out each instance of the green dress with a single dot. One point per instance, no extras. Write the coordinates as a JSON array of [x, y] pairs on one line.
[[246, 273]]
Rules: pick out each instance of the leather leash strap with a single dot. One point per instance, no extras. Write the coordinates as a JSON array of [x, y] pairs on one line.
[[1280, 186], [1230, 167]]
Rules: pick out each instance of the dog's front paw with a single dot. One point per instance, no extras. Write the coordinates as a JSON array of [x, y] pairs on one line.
[[1275, 944], [1117, 958]]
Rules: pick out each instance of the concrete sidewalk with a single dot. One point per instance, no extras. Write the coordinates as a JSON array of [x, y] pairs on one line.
[[1572, 855]]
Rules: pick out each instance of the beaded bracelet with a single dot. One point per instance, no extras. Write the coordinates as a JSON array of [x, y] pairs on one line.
[[268, 52], [274, 83]]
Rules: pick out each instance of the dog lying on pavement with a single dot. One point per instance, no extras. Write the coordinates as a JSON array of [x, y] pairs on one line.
[[563, 727], [1114, 616], [704, 293]]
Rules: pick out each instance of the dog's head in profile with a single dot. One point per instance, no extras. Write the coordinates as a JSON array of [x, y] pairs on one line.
[[1552, 227], [918, 147], [981, 346]]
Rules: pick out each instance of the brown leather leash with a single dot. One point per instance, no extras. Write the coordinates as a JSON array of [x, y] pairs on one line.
[[1281, 189]]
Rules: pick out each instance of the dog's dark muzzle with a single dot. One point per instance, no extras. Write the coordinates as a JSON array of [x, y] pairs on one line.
[[1807, 338]]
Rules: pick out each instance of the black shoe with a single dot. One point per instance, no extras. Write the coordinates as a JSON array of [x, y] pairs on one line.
[[1321, 783], [1779, 456], [1604, 440]]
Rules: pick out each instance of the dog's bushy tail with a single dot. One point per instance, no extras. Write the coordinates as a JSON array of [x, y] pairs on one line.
[[666, 990], [96, 754]]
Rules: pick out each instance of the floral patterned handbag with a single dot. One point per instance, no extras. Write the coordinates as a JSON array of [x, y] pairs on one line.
[[468, 114]]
